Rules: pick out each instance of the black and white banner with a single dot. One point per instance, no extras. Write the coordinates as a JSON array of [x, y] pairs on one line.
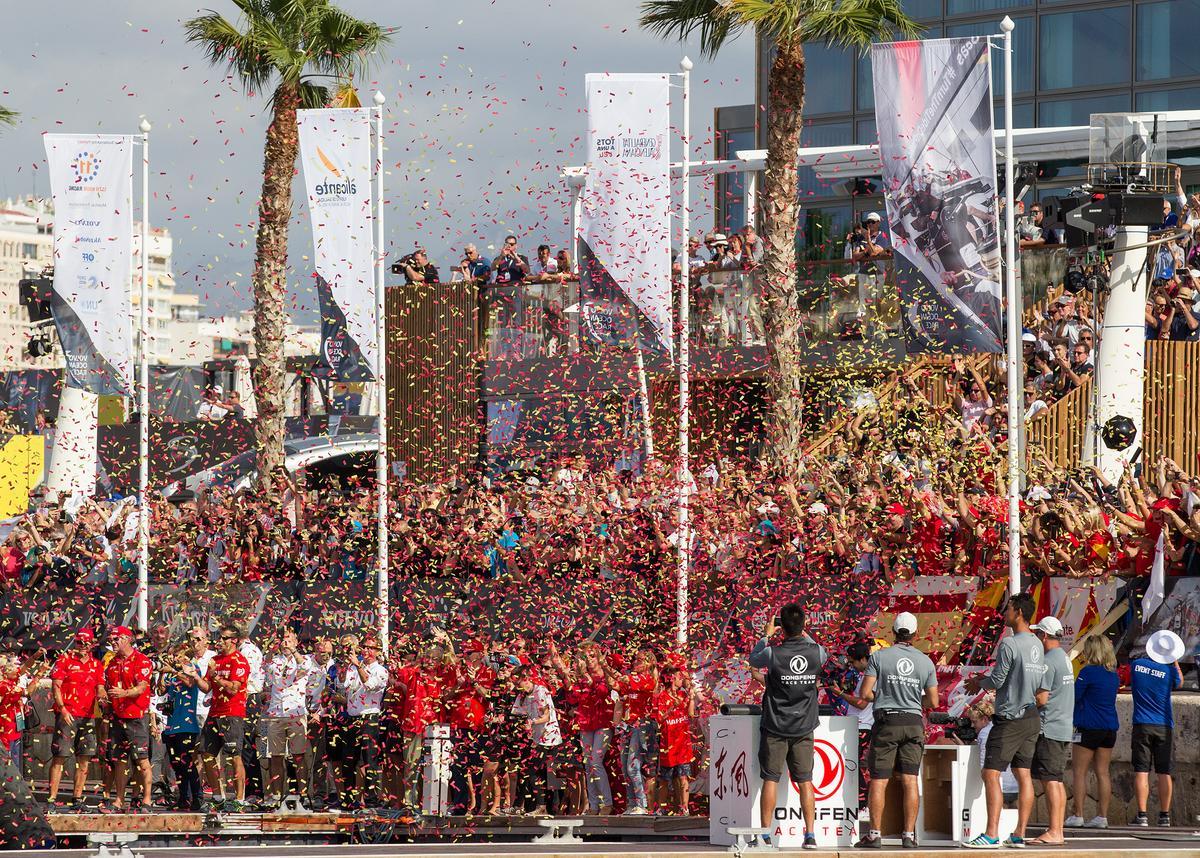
[[933, 108], [625, 241], [335, 150], [91, 182]]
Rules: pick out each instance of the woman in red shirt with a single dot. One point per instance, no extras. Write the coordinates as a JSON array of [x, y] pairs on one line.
[[591, 697], [674, 709]]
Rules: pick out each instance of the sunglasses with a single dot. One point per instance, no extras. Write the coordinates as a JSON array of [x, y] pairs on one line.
[[228, 638]]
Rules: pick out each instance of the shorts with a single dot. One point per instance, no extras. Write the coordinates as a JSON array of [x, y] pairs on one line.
[[683, 770], [774, 751], [1152, 747], [1094, 740], [1050, 759], [286, 736], [897, 745], [1012, 742], [223, 734], [129, 738], [77, 739]]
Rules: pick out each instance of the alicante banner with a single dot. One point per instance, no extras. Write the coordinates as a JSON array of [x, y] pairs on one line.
[[933, 109], [91, 183], [335, 150], [624, 225]]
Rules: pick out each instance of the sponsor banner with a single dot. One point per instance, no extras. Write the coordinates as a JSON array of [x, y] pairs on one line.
[[624, 226], [1078, 603], [1180, 613], [91, 182], [335, 151], [933, 108], [49, 613]]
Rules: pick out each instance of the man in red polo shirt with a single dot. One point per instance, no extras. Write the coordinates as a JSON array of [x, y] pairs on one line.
[[424, 684], [467, 709], [638, 757], [225, 728], [78, 678], [127, 684]]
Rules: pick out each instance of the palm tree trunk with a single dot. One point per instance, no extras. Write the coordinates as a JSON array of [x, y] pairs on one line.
[[270, 280], [785, 89]]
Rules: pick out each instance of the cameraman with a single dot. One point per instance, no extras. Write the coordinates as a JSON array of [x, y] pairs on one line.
[[850, 692], [901, 681], [417, 268]]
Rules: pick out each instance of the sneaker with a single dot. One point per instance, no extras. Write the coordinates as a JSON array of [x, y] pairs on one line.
[[909, 841], [636, 811], [1164, 820], [810, 840], [1074, 822], [1013, 842], [869, 842], [54, 805], [1097, 822], [79, 805], [1141, 821], [982, 841]]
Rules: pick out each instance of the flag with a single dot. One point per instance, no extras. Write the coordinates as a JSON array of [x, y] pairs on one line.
[[1156, 592], [335, 154], [625, 241], [91, 184], [933, 109]]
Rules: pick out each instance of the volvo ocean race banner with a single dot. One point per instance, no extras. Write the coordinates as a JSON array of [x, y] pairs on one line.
[[91, 182], [933, 108], [624, 225], [335, 149]]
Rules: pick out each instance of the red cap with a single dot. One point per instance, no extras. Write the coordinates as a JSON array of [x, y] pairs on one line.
[[896, 508], [472, 646], [85, 635], [121, 631]]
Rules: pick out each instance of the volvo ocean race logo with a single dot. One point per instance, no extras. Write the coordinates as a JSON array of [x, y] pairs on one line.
[[337, 184]]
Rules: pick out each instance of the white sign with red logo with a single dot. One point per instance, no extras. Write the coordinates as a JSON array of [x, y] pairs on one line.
[[734, 783]]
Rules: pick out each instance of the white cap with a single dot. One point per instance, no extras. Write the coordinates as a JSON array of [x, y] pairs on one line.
[[719, 238], [217, 389], [873, 216], [1165, 647], [905, 622], [1049, 625], [818, 508]]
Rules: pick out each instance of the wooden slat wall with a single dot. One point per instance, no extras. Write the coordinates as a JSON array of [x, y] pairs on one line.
[[1059, 430], [433, 344], [1171, 418]]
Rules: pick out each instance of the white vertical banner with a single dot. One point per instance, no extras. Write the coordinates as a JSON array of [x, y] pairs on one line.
[[335, 152], [624, 232], [91, 183]]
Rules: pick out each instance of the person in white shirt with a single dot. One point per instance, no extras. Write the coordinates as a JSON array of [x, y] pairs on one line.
[[201, 655], [858, 707], [363, 680], [254, 749], [285, 721], [535, 704]]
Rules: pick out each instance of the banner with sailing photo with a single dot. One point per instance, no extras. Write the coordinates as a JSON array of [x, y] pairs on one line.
[[933, 109]]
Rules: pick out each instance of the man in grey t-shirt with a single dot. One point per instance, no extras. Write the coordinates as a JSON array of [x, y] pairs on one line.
[[1017, 678], [900, 682], [1058, 717]]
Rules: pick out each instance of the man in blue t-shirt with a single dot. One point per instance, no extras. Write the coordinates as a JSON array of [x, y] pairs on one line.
[[1152, 679]]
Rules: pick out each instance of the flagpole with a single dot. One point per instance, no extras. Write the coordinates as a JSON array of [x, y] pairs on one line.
[[1015, 412], [381, 457], [143, 585], [644, 394], [684, 529]]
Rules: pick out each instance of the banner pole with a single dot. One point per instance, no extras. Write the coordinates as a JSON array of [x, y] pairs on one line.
[[685, 539], [381, 456], [1015, 412], [644, 393], [143, 586]]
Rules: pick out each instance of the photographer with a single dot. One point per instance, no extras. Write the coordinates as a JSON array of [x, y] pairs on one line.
[[850, 692], [901, 681], [417, 268], [510, 267], [869, 245]]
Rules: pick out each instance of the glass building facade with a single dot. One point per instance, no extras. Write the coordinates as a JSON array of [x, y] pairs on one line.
[[1070, 60]]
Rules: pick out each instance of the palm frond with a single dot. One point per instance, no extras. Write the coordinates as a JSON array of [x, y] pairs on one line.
[[8, 117], [314, 95], [843, 23], [713, 21], [338, 43], [225, 45]]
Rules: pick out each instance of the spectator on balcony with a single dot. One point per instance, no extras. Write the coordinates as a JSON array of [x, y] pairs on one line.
[[1033, 231], [1063, 322], [510, 267], [753, 245], [417, 268], [695, 261], [546, 266], [475, 267], [869, 245], [1181, 323], [1069, 371], [975, 402], [1157, 312]]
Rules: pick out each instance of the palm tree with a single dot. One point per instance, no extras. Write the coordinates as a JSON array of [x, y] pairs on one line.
[[284, 45], [788, 24]]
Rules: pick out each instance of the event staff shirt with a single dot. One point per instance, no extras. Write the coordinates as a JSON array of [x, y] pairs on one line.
[[1018, 675], [228, 668], [902, 673], [789, 704], [1058, 713], [126, 672], [1152, 684], [78, 679]]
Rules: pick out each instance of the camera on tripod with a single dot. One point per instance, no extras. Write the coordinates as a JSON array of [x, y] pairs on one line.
[[957, 726]]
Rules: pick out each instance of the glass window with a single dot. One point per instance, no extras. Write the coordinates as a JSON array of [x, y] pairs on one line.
[[1187, 98], [822, 232], [1086, 48], [1022, 115], [865, 132], [833, 67], [1022, 54], [1078, 111], [1164, 40], [865, 82], [973, 7], [731, 187], [29, 251], [919, 9], [821, 134]]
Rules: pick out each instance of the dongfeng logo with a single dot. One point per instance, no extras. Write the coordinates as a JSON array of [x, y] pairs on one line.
[[829, 769], [86, 166], [1035, 654], [798, 664], [905, 667]]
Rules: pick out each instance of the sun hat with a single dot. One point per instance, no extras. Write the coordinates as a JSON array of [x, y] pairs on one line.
[[1165, 647]]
